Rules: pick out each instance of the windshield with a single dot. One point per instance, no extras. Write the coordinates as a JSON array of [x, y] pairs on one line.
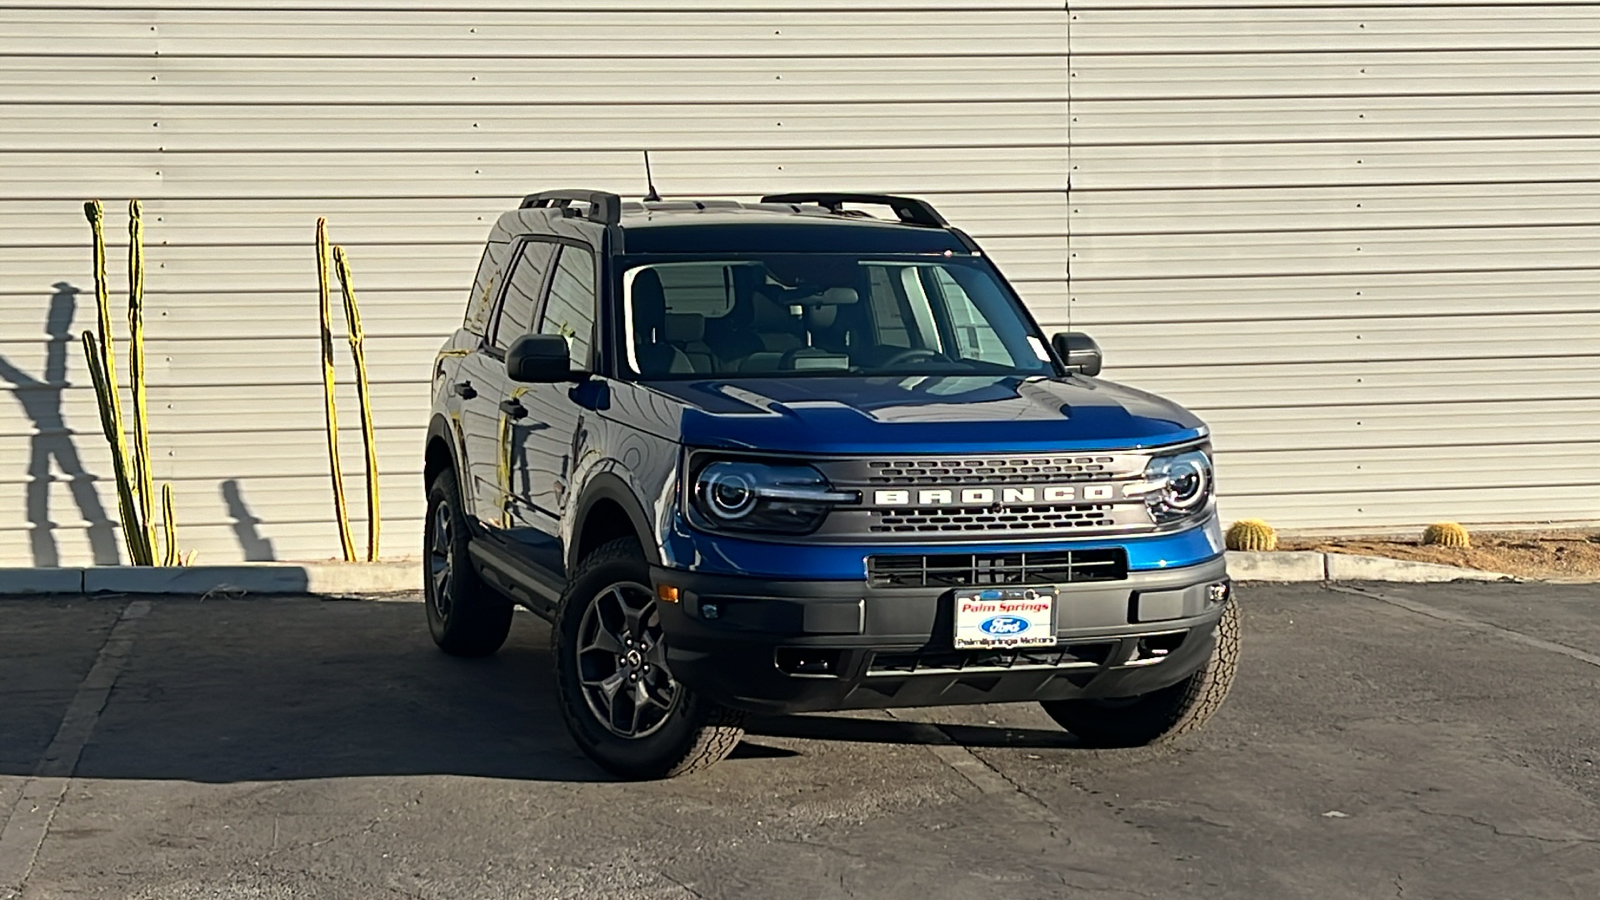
[[824, 314]]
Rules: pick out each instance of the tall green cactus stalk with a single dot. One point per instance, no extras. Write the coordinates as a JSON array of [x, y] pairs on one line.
[[352, 315], [102, 297], [139, 550], [136, 496], [102, 360], [136, 381], [330, 409], [169, 521]]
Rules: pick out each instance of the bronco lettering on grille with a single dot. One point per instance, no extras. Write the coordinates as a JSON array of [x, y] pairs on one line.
[[989, 497]]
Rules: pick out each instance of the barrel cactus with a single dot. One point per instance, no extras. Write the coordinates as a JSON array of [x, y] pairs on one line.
[[1252, 534], [1446, 534]]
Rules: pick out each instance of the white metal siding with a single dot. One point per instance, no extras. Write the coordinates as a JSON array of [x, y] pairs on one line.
[[411, 125], [1363, 241]]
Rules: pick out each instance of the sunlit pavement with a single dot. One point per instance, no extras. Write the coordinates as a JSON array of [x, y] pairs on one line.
[[1432, 741]]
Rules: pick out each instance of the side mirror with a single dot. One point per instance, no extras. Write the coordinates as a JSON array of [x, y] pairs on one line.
[[539, 359], [1078, 351]]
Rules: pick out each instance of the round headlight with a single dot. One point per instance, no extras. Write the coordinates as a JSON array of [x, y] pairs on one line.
[[1179, 485], [1186, 485], [729, 491], [760, 497]]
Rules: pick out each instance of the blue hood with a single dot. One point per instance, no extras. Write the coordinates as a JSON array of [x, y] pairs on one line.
[[925, 415]]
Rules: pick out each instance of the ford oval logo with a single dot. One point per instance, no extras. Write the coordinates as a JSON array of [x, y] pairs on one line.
[[1000, 625]]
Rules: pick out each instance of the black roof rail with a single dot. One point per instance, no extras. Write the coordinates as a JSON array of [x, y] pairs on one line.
[[909, 209], [604, 207]]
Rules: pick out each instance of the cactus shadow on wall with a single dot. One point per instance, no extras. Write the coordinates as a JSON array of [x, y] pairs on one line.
[[41, 400], [256, 547]]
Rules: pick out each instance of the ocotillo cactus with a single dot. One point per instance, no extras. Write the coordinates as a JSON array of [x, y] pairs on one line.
[[135, 472], [141, 418], [102, 297], [102, 361], [352, 316], [1251, 534], [330, 408], [171, 556], [139, 551]]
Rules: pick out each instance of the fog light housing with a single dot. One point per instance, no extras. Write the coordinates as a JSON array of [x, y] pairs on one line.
[[1219, 592]]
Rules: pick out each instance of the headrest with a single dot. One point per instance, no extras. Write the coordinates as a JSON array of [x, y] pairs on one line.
[[821, 318], [770, 314], [649, 302], [682, 328]]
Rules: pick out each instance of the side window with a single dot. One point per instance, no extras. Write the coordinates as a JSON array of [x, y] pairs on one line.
[[490, 268], [515, 317], [570, 310], [888, 318], [975, 337]]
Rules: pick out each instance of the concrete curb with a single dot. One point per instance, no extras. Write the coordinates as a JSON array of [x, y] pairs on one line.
[[1295, 565], [1311, 565], [362, 579], [330, 578]]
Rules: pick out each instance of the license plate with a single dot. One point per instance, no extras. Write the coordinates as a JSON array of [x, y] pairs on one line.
[[1006, 617]]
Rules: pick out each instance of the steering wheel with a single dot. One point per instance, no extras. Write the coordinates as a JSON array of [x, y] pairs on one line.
[[915, 353]]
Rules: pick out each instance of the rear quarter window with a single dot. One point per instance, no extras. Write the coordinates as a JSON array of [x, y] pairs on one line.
[[491, 269]]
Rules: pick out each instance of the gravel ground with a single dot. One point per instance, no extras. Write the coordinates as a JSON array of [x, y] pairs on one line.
[[1564, 555], [1382, 741]]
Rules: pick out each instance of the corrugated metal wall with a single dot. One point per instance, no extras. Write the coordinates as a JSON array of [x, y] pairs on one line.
[[1364, 241], [411, 124]]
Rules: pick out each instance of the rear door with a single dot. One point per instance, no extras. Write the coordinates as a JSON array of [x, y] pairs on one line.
[[551, 437], [486, 424]]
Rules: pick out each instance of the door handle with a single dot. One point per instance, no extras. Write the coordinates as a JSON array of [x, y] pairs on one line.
[[514, 409], [464, 390]]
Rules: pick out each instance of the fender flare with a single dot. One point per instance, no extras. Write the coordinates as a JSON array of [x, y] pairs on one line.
[[439, 428], [610, 486]]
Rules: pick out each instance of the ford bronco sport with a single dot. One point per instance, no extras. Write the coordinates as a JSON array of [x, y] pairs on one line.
[[786, 456]]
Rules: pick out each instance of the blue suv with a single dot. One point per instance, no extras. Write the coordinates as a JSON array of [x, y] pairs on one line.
[[787, 456]]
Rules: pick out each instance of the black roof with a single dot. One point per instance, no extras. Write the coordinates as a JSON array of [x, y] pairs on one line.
[[800, 223]]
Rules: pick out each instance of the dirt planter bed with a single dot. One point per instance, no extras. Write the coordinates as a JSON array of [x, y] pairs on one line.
[[1549, 555]]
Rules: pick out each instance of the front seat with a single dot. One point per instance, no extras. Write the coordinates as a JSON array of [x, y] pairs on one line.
[[654, 354]]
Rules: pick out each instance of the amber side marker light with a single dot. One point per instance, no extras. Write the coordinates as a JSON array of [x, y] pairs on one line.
[[667, 593]]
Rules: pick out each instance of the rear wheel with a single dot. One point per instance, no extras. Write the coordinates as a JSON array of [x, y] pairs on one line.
[[620, 701], [1162, 715], [466, 616]]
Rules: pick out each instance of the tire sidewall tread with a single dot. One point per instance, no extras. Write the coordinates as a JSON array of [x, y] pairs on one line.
[[1163, 715], [480, 617], [698, 733]]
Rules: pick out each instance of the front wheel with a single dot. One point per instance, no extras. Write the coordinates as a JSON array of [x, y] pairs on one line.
[[1161, 715], [619, 699]]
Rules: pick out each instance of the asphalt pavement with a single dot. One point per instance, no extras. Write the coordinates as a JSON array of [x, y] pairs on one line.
[[1407, 741]]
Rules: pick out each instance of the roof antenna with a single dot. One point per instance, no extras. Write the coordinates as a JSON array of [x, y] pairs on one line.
[[653, 196]]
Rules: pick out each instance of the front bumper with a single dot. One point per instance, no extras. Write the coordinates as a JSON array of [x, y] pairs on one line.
[[780, 646]]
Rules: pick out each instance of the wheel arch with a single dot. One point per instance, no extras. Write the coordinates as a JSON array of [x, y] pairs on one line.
[[609, 510], [441, 451]]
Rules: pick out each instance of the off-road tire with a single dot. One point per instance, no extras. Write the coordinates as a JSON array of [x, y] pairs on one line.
[[1163, 715], [694, 735], [466, 616]]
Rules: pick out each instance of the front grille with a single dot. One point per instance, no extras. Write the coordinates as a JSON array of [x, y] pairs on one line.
[[985, 569], [1061, 517], [991, 470], [1071, 656]]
